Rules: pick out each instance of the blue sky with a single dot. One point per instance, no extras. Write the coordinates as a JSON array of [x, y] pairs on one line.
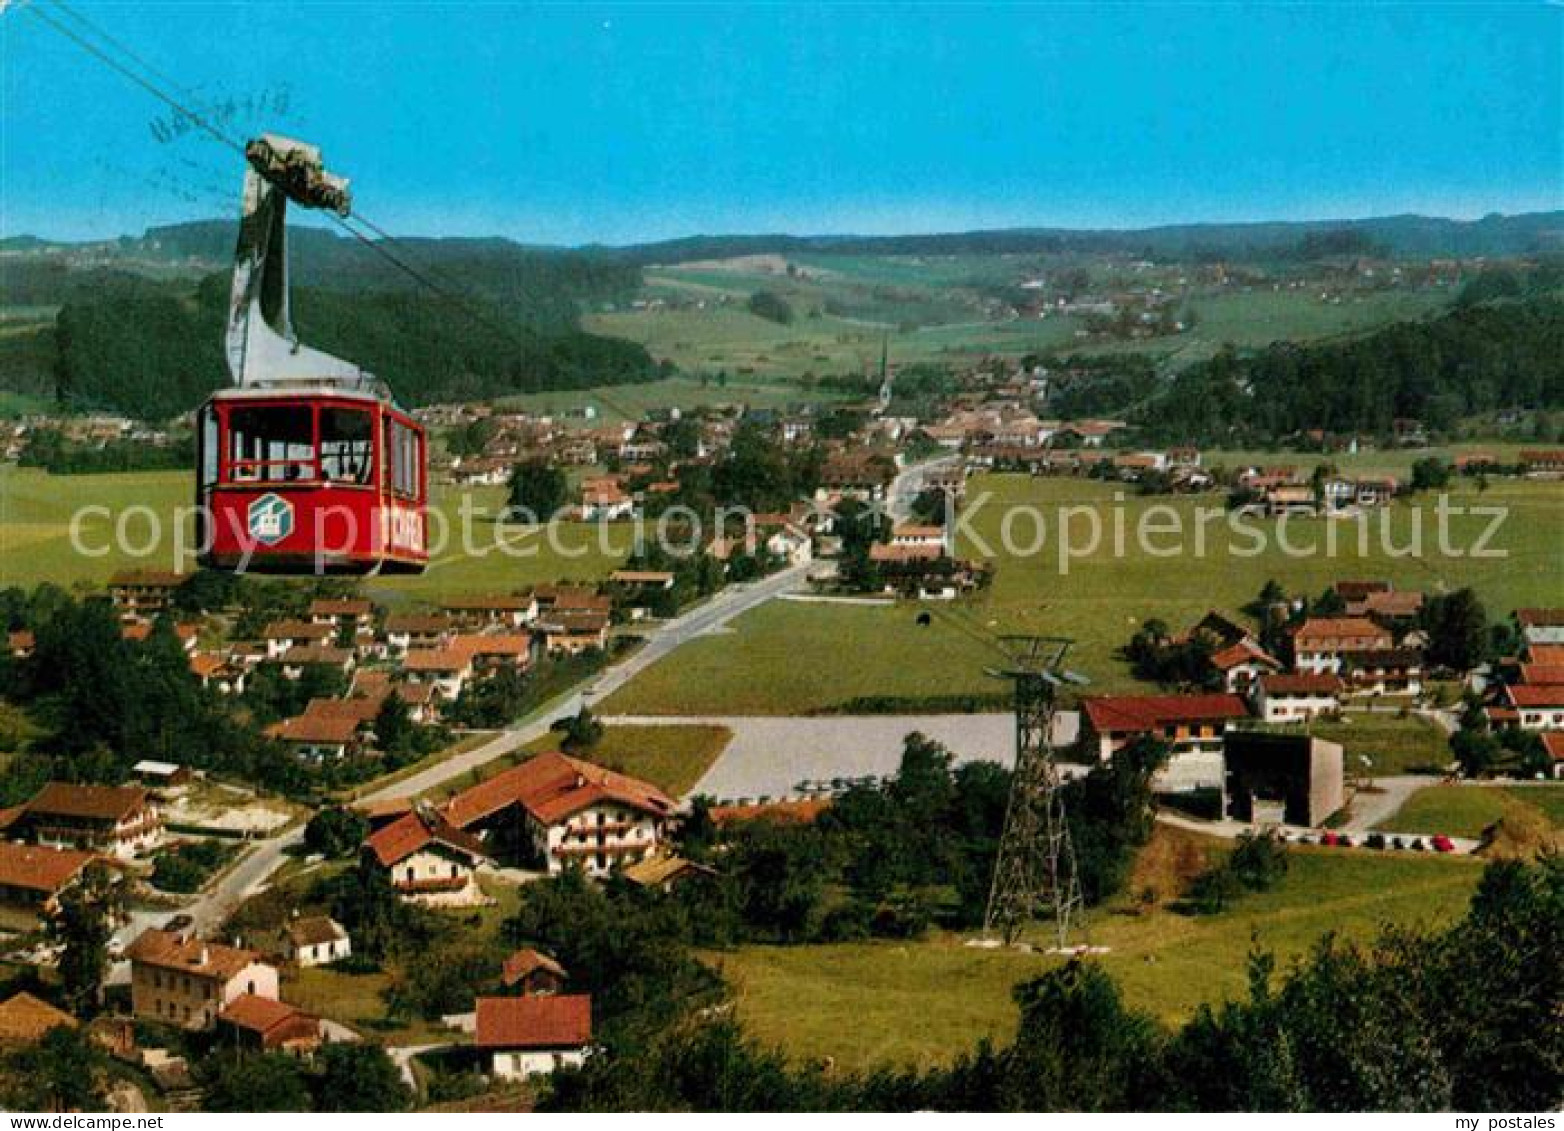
[[614, 123]]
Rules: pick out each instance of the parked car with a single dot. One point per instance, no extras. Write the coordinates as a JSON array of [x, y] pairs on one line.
[[1442, 843]]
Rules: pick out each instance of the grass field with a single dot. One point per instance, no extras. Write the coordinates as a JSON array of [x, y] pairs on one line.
[[1397, 745], [940, 308], [884, 1002], [1467, 810], [621, 402], [672, 758], [37, 509], [789, 658]]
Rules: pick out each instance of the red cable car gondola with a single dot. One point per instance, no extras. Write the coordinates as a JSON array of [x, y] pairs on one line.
[[307, 465]]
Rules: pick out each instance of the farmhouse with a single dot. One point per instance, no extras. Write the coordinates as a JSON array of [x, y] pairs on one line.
[[444, 670], [1319, 643], [282, 636], [181, 980], [571, 632], [353, 615], [428, 859], [532, 1036], [1284, 698], [1188, 723], [115, 820], [318, 737], [555, 810], [32, 878], [1398, 671]]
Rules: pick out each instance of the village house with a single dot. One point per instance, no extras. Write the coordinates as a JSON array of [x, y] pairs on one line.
[[428, 859], [1287, 698], [1537, 707], [256, 1024], [143, 594], [530, 972], [491, 652], [1394, 671], [33, 877], [351, 615], [479, 471], [638, 590], [1242, 663], [295, 660], [1289, 499], [486, 611], [571, 632], [554, 811], [1189, 724], [918, 535], [531, 1035], [665, 873], [219, 673], [117, 821], [1319, 643], [281, 637], [184, 981], [1341, 495], [139, 632], [20, 643], [407, 631], [444, 670], [1536, 464], [315, 940], [604, 500], [319, 736]]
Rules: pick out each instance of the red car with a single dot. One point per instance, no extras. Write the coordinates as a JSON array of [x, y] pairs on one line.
[[1442, 843]]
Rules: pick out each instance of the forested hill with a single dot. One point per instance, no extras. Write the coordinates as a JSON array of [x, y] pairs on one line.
[[1479, 358], [141, 330], [1398, 236], [155, 351]]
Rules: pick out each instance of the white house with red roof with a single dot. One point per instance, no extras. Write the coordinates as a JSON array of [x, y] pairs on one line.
[[533, 1035], [429, 860], [1189, 724], [560, 811], [1284, 697]]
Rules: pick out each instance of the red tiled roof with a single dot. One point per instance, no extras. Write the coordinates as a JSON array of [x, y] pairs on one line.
[[436, 660], [418, 624], [1546, 654], [524, 962], [1540, 618], [1148, 712], [297, 630], [317, 654], [1547, 695], [557, 1021], [1242, 653], [1301, 683], [331, 730], [190, 956], [1397, 604], [1539, 674], [1553, 743], [551, 787], [416, 831], [1338, 628], [44, 870], [261, 1014], [91, 802]]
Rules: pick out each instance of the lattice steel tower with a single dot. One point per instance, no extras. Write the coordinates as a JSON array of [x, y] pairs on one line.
[[1035, 872]]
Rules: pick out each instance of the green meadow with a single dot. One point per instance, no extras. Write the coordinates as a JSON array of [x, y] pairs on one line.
[[876, 1003], [794, 657]]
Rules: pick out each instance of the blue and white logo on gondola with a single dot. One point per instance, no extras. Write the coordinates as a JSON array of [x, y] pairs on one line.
[[271, 519]]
